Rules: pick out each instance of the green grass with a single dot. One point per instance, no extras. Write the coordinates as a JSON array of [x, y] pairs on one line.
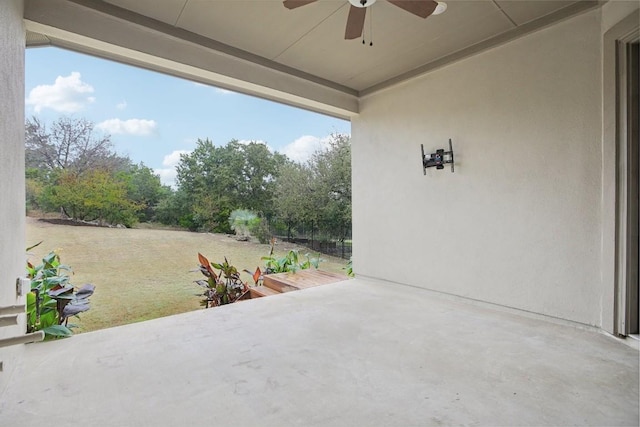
[[143, 274]]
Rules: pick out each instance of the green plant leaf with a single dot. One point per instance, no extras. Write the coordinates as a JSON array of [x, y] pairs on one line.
[[31, 301], [58, 331], [50, 258], [48, 318], [50, 282], [37, 244]]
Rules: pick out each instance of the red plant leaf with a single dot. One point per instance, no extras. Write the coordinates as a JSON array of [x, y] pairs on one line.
[[256, 275], [203, 259], [205, 263]]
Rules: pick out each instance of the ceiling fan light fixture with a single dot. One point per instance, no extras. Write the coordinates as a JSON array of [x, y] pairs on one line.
[[361, 3], [440, 8]]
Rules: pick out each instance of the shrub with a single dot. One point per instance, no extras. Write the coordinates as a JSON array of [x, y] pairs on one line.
[[53, 299], [349, 268], [289, 263], [241, 221], [222, 288], [260, 230]]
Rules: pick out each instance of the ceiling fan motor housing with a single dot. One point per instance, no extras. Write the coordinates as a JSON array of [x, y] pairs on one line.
[[362, 3]]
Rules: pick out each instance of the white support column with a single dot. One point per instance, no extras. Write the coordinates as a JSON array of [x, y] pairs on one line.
[[12, 185]]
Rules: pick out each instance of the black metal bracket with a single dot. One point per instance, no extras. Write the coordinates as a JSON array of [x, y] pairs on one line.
[[437, 159]]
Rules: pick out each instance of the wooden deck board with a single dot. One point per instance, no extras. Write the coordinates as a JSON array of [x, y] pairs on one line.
[[303, 279]]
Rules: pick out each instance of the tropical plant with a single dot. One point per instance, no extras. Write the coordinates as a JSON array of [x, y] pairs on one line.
[[224, 287], [291, 262], [53, 299], [349, 268]]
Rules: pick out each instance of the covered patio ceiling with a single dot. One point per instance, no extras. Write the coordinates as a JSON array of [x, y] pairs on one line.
[[296, 56]]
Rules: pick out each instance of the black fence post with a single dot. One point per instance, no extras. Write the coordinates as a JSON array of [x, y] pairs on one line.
[[343, 239]]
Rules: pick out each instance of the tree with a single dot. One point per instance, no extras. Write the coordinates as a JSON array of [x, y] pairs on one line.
[[96, 195], [219, 180], [145, 189], [70, 167], [204, 176], [176, 209], [331, 177], [293, 198], [259, 170], [35, 181], [320, 190], [69, 144]]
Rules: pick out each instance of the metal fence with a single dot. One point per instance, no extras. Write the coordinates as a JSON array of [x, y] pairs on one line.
[[324, 237]]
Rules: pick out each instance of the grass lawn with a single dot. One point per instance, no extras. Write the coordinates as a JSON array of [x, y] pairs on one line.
[[142, 274]]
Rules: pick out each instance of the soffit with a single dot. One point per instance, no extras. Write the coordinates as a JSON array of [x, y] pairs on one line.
[[303, 48], [311, 38]]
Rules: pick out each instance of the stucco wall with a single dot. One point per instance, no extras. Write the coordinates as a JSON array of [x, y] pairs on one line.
[[518, 223], [12, 221]]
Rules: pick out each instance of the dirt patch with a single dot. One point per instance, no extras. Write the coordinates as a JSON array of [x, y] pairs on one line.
[[73, 222]]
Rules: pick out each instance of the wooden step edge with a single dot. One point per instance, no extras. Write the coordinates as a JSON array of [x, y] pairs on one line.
[[277, 285], [262, 291]]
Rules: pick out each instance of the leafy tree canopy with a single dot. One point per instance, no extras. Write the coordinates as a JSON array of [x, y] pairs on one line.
[[220, 179]]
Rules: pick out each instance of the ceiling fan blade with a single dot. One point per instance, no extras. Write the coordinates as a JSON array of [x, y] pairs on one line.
[[355, 23], [421, 8], [292, 4]]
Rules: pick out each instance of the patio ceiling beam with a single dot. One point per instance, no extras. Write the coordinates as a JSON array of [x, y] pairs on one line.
[[110, 32]]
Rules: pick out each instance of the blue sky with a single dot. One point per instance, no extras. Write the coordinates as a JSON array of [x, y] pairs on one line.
[[152, 117]]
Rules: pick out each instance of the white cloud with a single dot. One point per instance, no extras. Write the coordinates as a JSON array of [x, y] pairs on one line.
[[122, 105], [67, 95], [168, 173], [139, 127], [302, 148]]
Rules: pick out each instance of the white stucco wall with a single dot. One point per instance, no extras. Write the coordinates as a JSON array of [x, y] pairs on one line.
[[12, 219], [518, 224]]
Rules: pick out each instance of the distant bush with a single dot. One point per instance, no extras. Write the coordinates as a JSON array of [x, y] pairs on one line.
[[242, 221], [260, 230]]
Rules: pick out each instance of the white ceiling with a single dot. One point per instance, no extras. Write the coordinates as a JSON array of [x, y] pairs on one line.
[[311, 38], [308, 42]]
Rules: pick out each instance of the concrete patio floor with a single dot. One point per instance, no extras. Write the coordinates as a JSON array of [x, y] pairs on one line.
[[356, 353]]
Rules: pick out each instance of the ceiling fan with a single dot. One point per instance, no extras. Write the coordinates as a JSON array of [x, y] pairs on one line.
[[358, 10]]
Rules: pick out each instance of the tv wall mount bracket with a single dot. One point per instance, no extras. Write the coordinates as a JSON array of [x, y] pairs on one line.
[[437, 159]]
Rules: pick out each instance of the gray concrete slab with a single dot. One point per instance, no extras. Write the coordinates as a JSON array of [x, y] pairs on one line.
[[356, 353]]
